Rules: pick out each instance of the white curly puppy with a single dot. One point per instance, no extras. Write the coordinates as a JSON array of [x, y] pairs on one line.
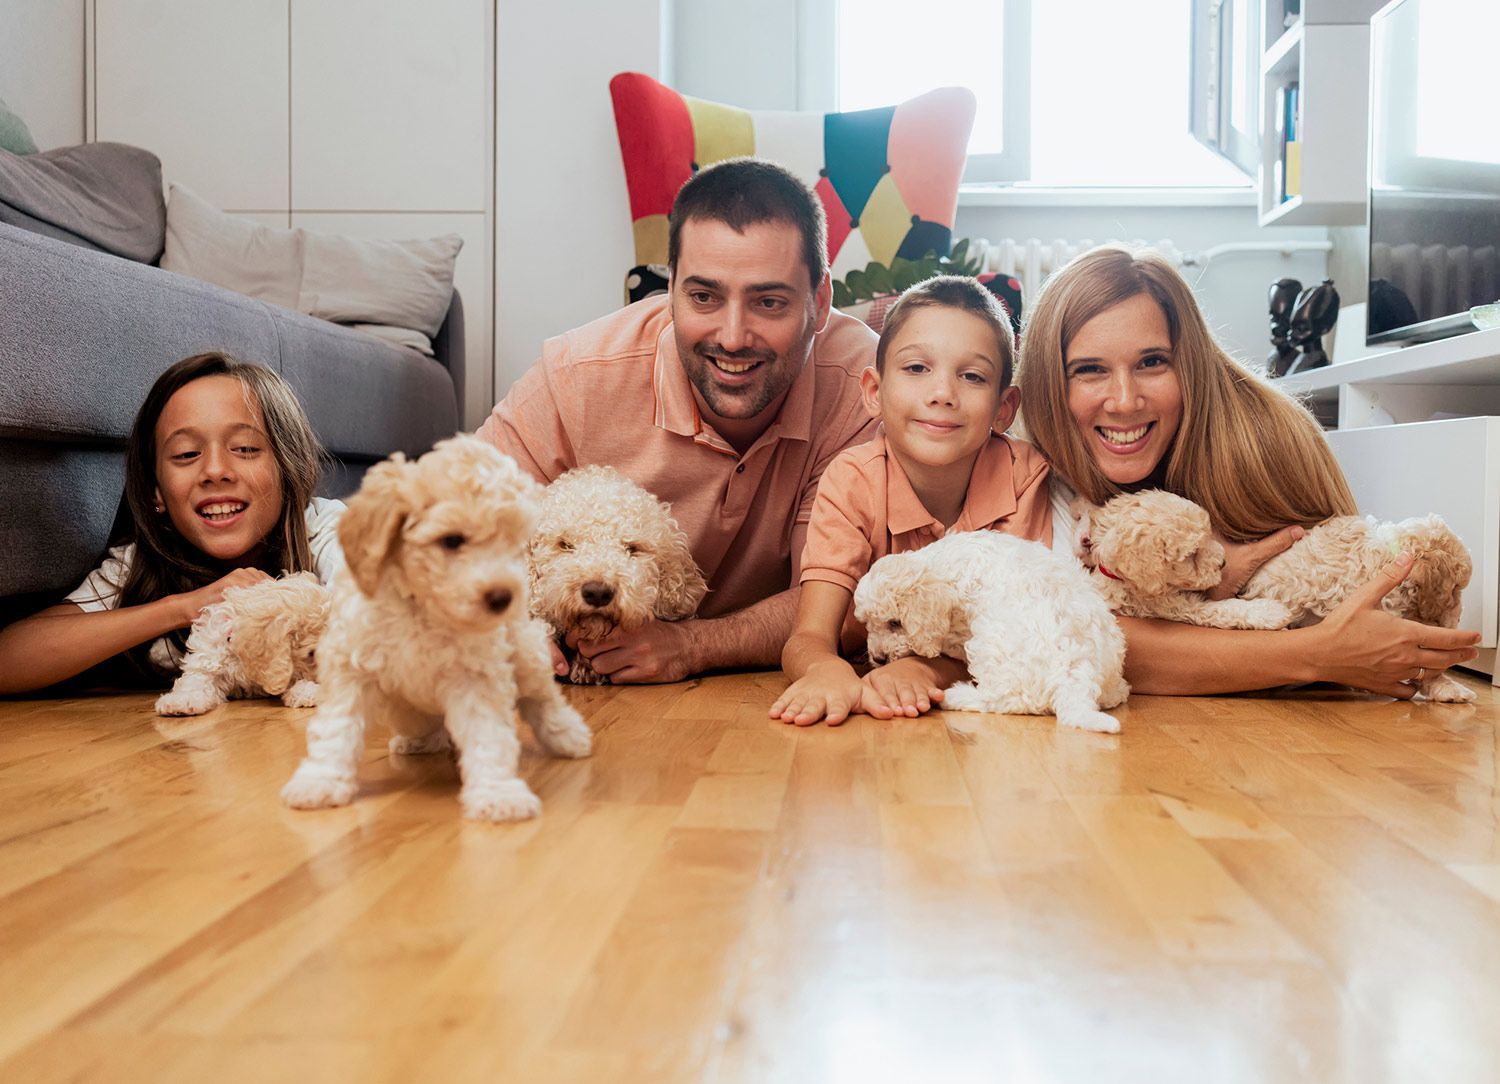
[[1134, 536], [260, 640], [430, 633], [607, 554], [1155, 555], [1037, 637]]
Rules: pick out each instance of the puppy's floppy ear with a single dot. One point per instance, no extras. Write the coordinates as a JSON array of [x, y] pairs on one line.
[[681, 586], [371, 524]]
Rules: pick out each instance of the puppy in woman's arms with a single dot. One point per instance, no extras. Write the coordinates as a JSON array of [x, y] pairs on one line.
[[1155, 555]]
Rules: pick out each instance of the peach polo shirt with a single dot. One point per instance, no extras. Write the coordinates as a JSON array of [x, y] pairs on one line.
[[866, 507], [614, 392]]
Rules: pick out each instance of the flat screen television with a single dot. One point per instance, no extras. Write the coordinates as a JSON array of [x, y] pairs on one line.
[[1434, 209]]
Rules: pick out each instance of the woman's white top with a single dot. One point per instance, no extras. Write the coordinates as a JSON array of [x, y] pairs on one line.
[[101, 588], [1064, 527]]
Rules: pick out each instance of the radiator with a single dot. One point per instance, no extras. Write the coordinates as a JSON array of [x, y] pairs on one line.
[[1439, 279], [1031, 261]]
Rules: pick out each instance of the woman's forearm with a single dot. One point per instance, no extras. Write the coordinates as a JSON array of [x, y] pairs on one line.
[[1165, 658], [52, 646]]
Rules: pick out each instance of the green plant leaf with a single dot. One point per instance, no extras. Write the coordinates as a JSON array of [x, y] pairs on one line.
[[959, 251], [879, 278], [843, 297], [857, 285]]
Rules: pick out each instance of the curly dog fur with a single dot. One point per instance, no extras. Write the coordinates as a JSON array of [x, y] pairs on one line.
[[260, 640], [1037, 637], [430, 632], [1162, 551], [607, 554]]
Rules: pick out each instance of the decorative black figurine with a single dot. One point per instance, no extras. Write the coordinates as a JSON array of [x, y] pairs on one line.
[[1316, 312], [1282, 300]]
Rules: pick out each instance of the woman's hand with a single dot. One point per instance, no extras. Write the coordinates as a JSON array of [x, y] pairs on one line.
[[1364, 646], [193, 602], [1241, 559], [829, 690]]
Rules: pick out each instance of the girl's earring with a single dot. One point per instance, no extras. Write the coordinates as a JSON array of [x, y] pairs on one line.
[[160, 508]]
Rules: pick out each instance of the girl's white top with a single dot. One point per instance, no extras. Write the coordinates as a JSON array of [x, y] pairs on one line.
[[101, 589]]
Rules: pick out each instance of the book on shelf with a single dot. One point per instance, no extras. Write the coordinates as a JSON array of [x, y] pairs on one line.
[[1288, 169]]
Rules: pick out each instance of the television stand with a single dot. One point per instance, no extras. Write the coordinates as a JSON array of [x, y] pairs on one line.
[[1419, 432]]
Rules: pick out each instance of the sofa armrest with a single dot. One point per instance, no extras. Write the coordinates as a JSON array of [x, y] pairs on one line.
[[448, 348]]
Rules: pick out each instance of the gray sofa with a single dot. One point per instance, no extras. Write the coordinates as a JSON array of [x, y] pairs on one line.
[[83, 334]]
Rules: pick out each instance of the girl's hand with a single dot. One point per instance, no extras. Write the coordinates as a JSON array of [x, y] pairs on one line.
[[827, 691], [907, 686], [193, 602], [1364, 646], [1242, 559]]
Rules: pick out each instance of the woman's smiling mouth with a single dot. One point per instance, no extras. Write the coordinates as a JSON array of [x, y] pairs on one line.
[[1125, 441]]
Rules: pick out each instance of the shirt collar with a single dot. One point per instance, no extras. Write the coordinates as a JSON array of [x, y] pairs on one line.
[[991, 496]]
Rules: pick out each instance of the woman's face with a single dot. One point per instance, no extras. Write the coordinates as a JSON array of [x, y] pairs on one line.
[[1123, 390]]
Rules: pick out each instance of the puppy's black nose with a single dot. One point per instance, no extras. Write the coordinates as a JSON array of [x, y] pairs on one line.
[[596, 593], [497, 599]]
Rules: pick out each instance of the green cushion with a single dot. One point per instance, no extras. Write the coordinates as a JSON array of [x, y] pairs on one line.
[[14, 135]]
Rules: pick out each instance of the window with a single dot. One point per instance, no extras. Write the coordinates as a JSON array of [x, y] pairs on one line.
[[1072, 93]]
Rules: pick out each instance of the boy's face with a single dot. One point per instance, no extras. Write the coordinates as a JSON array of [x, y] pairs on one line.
[[940, 394]]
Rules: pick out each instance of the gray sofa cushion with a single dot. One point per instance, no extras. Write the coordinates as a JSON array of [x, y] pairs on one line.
[[109, 194]]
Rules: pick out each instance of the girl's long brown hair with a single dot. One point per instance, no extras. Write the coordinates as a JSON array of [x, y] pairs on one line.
[[1246, 451], [167, 564]]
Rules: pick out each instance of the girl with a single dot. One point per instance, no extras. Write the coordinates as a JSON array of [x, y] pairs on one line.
[[941, 389], [1123, 387], [220, 469]]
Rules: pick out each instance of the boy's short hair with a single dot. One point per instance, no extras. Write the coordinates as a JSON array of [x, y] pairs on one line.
[[952, 292], [741, 192]]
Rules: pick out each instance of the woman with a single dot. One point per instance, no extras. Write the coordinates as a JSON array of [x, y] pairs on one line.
[[1123, 387]]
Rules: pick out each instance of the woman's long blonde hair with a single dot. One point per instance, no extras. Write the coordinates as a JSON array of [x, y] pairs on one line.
[[1251, 455]]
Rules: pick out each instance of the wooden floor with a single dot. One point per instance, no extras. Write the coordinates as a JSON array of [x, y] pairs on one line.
[[1304, 887]]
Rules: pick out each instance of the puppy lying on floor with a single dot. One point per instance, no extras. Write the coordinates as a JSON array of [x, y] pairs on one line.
[[1037, 637], [607, 554], [1155, 554], [430, 633], [261, 640]]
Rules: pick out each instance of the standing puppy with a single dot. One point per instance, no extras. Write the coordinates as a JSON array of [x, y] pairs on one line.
[[431, 636]]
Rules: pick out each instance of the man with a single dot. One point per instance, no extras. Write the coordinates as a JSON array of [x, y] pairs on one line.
[[727, 398]]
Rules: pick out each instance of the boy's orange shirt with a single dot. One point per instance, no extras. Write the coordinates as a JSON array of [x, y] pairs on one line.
[[866, 507]]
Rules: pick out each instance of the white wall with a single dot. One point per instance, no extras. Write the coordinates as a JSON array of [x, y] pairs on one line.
[[41, 67], [562, 214]]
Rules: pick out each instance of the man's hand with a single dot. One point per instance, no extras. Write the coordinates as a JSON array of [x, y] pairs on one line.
[[654, 653], [1241, 559]]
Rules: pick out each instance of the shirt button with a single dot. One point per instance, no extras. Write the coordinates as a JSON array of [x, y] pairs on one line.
[[740, 469]]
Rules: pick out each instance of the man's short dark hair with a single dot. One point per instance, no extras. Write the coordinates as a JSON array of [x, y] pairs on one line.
[[744, 192]]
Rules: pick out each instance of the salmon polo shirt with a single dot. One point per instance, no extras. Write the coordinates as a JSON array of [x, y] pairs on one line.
[[866, 507], [614, 393]]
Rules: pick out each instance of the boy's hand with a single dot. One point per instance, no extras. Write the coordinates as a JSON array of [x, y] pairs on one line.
[[829, 692], [907, 686]]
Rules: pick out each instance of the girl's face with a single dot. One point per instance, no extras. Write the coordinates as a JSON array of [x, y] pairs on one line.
[[1123, 390], [216, 476], [940, 393]]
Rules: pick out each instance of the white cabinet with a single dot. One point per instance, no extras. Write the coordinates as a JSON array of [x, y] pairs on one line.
[[373, 118], [1419, 432], [1325, 55]]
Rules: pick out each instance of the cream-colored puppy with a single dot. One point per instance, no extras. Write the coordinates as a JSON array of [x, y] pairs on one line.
[[1156, 554], [1037, 638], [431, 636], [607, 554], [260, 640]]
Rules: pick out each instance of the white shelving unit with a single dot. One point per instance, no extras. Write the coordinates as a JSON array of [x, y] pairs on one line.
[[1327, 54], [1419, 432]]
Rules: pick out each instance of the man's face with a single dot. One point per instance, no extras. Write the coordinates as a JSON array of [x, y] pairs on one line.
[[744, 313]]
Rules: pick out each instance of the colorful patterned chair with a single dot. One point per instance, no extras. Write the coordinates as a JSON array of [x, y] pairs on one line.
[[888, 178]]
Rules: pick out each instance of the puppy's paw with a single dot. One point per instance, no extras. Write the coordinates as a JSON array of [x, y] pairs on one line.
[[1097, 722], [304, 694], [1443, 689], [314, 788], [187, 702], [508, 800], [581, 673], [1265, 613], [963, 697], [565, 734], [434, 742]]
